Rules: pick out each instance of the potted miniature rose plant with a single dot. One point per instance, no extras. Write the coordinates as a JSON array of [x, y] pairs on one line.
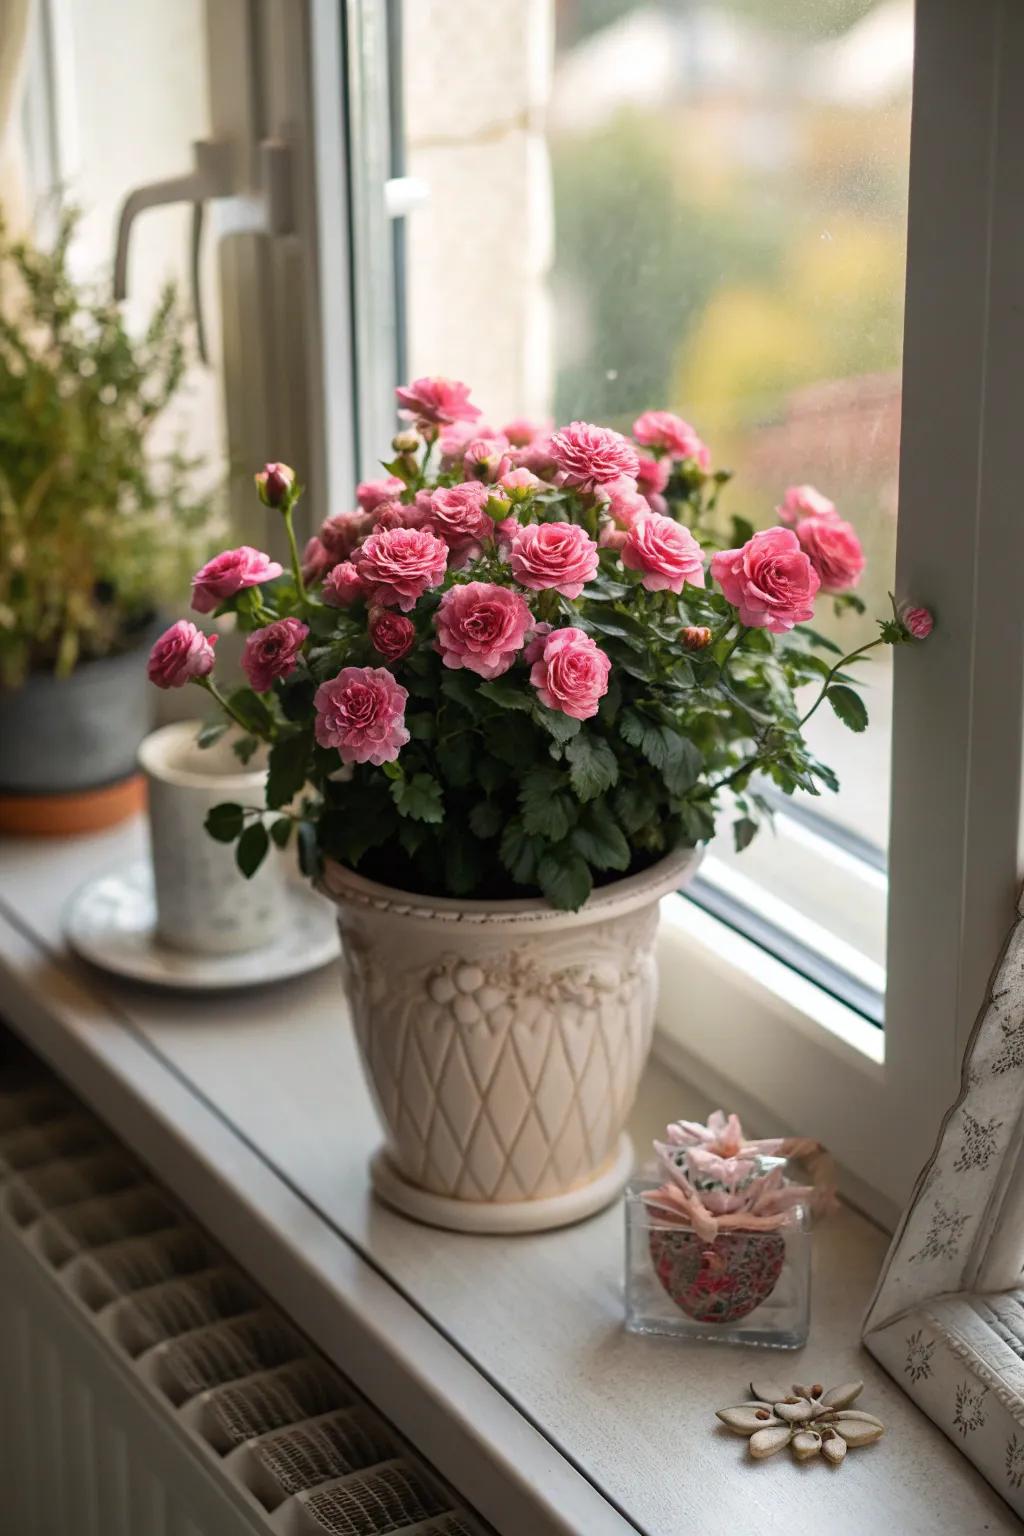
[[505, 699]]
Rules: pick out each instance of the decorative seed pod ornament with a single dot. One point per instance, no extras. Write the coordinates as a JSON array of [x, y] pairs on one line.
[[815, 1422]]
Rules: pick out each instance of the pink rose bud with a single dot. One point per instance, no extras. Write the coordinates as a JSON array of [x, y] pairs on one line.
[[522, 432], [228, 573], [406, 442], [670, 434], [519, 484], [182, 653], [392, 635], [482, 627], [341, 533], [315, 561], [370, 494], [695, 637], [343, 586], [273, 651], [361, 712], [802, 501], [918, 622], [770, 580], [572, 674], [274, 483]]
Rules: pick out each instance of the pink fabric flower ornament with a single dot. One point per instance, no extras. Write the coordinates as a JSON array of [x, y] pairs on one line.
[[572, 673], [802, 501], [770, 580], [672, 435], [587, 456], [343, 586], [181, 653], [362, 713], [665, 552], [370, 493], [559, 557], [458, 516], [273, 651], [228, 573], [399, 564], [919, 622], [481, 627], [391, 634], [436, 402], [834, 550]]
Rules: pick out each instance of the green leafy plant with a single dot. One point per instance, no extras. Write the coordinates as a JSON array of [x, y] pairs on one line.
[[516, 670], [96, 523]]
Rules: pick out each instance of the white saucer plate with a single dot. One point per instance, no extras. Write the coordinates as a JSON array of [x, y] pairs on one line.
[[111, 922]]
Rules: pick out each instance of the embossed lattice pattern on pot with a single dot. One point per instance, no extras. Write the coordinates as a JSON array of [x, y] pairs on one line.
[[286, 1434], [505, 1076]]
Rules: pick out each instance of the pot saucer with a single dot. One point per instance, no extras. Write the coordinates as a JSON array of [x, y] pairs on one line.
[[111, 922]]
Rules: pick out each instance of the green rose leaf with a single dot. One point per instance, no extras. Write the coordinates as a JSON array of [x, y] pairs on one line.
[[744, 831], [562, 727], [225, 822], [849, 706], [252, 848], [518, 852], [564, 878], [600, 839], [309, 850], [593, 765], [635, 806], [288, 764], [485, 819], [252, 711], [211, 732], [507, 695], [419, 797], [677, 758], [547, 809]]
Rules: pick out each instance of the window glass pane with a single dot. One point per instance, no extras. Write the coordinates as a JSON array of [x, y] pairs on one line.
[[700, 206]]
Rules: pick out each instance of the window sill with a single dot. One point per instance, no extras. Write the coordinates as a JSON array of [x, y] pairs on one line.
[[504, 1360]]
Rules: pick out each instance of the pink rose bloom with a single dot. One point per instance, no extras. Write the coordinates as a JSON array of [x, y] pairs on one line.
[[341, 533], [918, 621], [625, 504], [486, 458], [315, 560], [399, 564], [522, 432], [802, 501], [370, 493], [458, 516], [505, 532], [228, 573], [611, 537], [535, 640], [436, 402], [587, 456], [572, 673], [834, 551], [273, 652], [482, 627], [537, 457], [362, 713], [553, 556], [181, 653], [392, 634], [666, 553], [453, 443], [770, 580], [651, 480], [519, 480], [672, 435], [342, 586], [273, 483]]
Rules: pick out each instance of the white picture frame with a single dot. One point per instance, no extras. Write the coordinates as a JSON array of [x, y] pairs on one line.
[[947, 1317]]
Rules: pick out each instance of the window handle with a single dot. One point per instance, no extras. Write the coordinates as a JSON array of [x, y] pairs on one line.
[[212, 181], [403, 194]]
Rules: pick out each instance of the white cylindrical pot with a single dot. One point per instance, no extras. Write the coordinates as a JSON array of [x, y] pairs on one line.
[[503, 1043], [204, 903]]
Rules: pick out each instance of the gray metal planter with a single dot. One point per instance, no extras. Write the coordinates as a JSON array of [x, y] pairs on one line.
[[76, 733]]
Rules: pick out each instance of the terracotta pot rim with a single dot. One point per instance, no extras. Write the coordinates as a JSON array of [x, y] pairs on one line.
[[675, 869]]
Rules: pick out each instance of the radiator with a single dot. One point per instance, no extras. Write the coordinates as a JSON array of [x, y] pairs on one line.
[[147, 1387]]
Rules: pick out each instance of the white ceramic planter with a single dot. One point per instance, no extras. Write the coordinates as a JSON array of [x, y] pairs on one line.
[[503, 1043]]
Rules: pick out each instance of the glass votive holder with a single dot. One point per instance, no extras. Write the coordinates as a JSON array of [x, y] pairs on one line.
[[741, 1287]]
